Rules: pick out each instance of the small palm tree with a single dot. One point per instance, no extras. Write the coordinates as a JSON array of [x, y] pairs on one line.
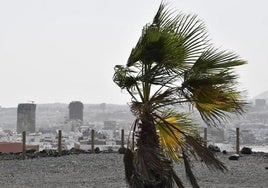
[[174, 64]]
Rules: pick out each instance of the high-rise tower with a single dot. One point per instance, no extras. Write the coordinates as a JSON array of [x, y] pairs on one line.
[[76, 110], [26, 118]]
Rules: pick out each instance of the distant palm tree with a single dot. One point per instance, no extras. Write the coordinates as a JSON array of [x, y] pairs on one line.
[[174, 64]]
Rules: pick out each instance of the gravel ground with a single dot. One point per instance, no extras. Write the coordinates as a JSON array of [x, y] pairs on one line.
[[107, 171]]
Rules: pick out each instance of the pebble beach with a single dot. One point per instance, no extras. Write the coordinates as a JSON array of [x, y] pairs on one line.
[[107, 171]]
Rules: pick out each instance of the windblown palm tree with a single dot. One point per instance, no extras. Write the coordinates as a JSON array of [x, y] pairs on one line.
[[174, 64]]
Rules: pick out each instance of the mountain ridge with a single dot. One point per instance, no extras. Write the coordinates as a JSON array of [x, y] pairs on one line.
[[263, 95]]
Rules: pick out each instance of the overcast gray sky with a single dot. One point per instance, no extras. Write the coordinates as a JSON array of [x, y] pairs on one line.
[[62, 50]]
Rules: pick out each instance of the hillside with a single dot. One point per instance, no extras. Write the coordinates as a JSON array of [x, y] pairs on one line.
[[263, 95]]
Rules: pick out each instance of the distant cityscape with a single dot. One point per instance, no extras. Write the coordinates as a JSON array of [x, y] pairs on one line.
[[50, 117], [253, 125], [42, 121]]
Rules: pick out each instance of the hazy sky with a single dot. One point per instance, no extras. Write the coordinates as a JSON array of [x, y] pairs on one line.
[[62, 50]]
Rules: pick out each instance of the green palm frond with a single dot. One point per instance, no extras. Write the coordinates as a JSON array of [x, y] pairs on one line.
[[213, 103], [188, 29], [210, 85], [158, 47], [171, 41], [213, 59], [161, 99], [216, 110], [123, 78]]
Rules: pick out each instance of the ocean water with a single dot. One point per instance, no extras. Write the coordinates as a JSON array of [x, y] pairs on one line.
[[255, 148], [259, 148]]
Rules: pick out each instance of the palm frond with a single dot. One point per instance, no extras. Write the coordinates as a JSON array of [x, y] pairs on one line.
[[171, 131], [210, 85], [123, 78], [128, 163], [174, 41], [177, 180], [175, 138], [152, 168], [188, 171], [204, 154], [214, 59], [214, 103]]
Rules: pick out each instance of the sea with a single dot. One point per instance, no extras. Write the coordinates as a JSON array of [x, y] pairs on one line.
[[259, 148], [254, 148]]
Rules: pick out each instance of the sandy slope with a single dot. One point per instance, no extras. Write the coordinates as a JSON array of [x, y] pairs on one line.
[[106, 171]]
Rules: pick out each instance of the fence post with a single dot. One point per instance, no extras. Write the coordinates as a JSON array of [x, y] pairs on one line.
[[205, 136], [23, 144], [237, 141], [92, 141], [59, 143], [122, 138]]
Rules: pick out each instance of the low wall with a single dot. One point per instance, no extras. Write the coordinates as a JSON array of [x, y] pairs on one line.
[[15, 147]]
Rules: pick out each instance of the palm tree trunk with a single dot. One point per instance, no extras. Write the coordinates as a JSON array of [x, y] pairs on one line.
[[147, 133], [150, 168]]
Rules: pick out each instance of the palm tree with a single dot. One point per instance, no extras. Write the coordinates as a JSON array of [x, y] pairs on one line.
[[173, 65]]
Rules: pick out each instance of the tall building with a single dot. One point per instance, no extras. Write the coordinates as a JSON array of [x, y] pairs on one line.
[[26, 118], [109, 125], [260, 102], [76, 110]]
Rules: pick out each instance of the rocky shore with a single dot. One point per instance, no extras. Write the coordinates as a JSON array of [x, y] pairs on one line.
[[105, 170]]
